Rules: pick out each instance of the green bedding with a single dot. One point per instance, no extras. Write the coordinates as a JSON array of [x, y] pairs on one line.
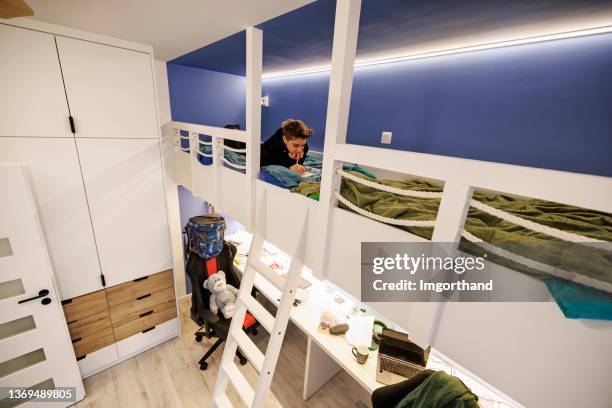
[[530, 244]]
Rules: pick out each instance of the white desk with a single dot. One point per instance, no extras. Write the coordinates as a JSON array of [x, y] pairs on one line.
[[326, 354]]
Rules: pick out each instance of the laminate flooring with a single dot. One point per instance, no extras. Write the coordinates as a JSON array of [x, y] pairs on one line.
[[168, 376]]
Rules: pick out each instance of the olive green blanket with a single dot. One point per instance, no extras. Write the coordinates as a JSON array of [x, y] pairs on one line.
[[440, 390], [581, 260]]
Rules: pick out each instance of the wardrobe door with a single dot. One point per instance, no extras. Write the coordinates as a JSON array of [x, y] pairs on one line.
[[33, 102], [123, 180], [110, 90], [56, 178]]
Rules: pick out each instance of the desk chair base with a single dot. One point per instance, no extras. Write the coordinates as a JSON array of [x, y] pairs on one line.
[[208, 334]]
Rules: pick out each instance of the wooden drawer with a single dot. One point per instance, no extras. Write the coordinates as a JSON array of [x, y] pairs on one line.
[[83, 306], [88, 344], [89, 325], [132, 290], [133, 309], [161, 313]]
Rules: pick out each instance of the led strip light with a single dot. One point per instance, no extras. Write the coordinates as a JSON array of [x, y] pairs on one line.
[[480, 47]]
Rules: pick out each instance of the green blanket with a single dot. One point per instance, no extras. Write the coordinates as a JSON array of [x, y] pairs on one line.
[[540, 247], [440, 390]]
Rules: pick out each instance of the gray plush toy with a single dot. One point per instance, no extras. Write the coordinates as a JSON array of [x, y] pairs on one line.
[[223, 296]]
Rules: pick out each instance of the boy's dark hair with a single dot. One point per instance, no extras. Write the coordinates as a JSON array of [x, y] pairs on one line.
[[295, 129]]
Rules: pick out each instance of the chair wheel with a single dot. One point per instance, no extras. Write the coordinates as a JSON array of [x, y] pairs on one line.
[[243, 361], [198, 339], [254, 332], [203, 366]]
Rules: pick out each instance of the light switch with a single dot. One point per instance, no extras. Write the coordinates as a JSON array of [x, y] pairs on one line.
[[386, 137]]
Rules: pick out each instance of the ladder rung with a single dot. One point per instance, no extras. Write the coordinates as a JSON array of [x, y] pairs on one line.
[[261, 314], [222, 401], [241, 385], [250, 350], [274, 278]]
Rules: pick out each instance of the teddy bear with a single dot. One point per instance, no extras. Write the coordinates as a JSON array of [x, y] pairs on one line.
[[223, 296]]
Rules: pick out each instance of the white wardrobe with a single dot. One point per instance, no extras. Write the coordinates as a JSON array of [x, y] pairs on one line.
[[81, 114]]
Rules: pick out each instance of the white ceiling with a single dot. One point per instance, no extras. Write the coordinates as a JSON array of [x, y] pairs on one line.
[[173, 28]]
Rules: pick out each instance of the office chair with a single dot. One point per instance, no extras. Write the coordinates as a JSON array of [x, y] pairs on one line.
[[212, 325]]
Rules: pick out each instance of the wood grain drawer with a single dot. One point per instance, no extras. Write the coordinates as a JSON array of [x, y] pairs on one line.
[[161, 313], [132, 290], [83, 306], [88, 344], [89, 325], [133, 309]]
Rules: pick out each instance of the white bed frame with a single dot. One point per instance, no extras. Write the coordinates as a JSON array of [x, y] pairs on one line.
[[529, 351]]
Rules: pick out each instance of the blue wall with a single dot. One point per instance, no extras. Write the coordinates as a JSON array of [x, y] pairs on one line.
[[300, 97], [546, 105], [206, 97]]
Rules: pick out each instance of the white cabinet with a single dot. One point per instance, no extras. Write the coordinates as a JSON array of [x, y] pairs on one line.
[[110, 90], [32, 98], [123, 180], [56, 178]]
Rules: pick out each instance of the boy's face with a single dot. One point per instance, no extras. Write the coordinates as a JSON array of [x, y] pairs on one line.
[[294, 145]]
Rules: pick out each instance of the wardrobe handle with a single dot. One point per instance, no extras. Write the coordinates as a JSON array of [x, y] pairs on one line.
[[143, 296], [42, 293], [77, 340], [149, 329], [72, 127], [146, 313], [81, 357]]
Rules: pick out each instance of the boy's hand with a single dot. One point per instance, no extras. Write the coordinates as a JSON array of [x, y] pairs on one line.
[[297, 155], [298, 168]]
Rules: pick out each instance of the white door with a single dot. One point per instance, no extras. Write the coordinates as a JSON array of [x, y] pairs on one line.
[[33, 102], [53, 165], [123, 180], [110, 90], [35, 347]]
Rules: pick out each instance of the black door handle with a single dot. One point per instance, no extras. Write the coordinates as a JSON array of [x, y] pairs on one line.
[[42, 293]]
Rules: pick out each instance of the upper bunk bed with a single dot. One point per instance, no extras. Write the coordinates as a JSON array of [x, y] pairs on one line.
[[481, 337]]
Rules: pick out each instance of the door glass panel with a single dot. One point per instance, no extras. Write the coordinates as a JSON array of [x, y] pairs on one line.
[[11, 288], [15, 327], [21, 362], [5, 247]]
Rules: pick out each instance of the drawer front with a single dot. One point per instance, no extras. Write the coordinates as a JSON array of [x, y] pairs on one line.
[[88, 344], [142, 341], [87, 305], [134, 309], [98, 360], [161, 313], [137, 288], [89, 326]]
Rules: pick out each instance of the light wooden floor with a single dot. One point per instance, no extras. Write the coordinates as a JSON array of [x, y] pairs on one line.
[[168, 376]]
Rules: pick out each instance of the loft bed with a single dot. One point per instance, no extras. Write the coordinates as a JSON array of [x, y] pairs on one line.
[[497, 341], [346, 228]]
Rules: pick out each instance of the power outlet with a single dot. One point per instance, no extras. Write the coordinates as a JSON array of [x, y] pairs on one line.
[[265, 101], [386, 137]]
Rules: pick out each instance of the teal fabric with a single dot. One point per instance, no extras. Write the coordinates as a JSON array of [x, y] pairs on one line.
[[287, 178], [580, 302], [235, 158]]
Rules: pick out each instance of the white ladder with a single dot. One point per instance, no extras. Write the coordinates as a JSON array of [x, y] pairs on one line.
[[276, 326]]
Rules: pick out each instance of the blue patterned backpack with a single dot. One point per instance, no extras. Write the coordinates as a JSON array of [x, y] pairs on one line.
[[204, 235]]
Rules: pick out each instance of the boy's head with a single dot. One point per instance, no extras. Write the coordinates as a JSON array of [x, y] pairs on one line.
[[295, 134]]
